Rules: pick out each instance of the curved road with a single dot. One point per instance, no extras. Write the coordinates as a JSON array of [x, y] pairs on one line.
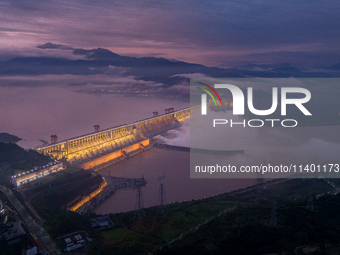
[[38, 233]]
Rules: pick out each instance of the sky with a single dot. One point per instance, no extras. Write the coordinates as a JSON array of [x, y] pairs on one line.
[[212, 33]]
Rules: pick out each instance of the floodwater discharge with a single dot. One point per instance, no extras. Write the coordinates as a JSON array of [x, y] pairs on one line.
[[35, 113]]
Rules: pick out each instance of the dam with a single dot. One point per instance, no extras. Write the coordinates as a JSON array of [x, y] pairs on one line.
[[115, 142]]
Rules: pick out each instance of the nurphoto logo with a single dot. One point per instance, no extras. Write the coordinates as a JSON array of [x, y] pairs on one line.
[[238, 100]]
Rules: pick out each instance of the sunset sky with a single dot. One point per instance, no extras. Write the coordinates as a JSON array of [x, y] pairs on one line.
[[213, 33]]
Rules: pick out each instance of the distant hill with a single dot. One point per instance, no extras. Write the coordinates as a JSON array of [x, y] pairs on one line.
[[8, 138], [101, 61], [13, 157], [335, 67]]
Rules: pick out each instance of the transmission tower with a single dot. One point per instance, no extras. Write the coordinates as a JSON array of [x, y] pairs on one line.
[[259, 180], [273, 219], [139, 206], [161, 196], [54, 138]]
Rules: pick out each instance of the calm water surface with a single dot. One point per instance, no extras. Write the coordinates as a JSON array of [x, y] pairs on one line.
[[36, 113], [177, 183]]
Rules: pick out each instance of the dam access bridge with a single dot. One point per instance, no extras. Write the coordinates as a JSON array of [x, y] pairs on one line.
[[113, 142]]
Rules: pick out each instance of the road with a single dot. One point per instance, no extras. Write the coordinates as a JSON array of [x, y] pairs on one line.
[[38, 233]]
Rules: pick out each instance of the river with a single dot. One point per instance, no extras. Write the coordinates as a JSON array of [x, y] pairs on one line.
[[35, 113]]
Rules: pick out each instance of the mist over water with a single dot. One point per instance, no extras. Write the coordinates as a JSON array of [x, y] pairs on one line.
[[317, 144], [34, 114], [274, 145], [270, 145], [178, 137]]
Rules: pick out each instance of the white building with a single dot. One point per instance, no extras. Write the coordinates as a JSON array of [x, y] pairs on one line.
[[30, 251]]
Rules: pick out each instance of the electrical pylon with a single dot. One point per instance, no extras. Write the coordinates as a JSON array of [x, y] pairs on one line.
[[161, 196], [139, 205]]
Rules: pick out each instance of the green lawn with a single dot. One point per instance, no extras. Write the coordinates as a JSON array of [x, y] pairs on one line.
[[117, 234]]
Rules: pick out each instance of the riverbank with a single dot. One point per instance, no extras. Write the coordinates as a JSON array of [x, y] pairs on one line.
[[182, 227], [178, 185]]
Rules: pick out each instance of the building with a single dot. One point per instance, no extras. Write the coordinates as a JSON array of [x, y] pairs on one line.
[[3, 217], [36, 173], [30, 251], [77, 238], [14, 233], [68, 241], [99, 222]]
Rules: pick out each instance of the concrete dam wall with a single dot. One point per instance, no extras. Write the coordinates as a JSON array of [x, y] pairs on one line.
[[113, 139]]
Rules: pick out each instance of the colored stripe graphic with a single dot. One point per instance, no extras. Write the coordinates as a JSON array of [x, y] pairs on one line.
[[213, 90], [208, 94]]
